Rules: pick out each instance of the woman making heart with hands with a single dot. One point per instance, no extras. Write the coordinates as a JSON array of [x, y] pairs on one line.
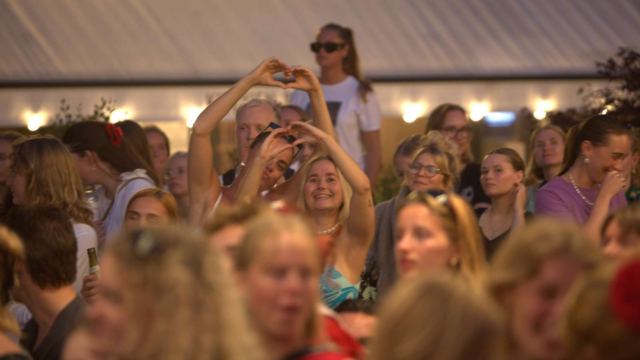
[[336, 194], [205, 189]]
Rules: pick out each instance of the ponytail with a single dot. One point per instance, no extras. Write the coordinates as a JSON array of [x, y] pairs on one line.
[[596, 130], [351, 63]]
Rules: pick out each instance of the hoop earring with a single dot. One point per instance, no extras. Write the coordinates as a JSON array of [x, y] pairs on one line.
[[586, 160]]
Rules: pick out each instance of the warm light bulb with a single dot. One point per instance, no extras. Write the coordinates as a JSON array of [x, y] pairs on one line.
[[539, 114], [192, 115], [120, 115], [478, 111], [35, 121], [412, 111]]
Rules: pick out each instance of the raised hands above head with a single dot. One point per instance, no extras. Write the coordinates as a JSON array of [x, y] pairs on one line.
[[305, 80], [263, 74]]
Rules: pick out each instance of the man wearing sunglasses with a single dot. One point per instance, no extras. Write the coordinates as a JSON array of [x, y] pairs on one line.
[[206, 190]]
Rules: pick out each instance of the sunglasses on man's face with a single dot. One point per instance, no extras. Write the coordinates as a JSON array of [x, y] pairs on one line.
[[273, 126], [328, 47]]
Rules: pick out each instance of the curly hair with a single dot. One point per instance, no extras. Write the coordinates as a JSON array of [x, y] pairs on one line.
[[190, 296]]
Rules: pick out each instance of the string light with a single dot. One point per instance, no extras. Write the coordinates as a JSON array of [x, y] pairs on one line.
[[120, 115], [478, 111], [412, 111], [542, 108], [35, 121]]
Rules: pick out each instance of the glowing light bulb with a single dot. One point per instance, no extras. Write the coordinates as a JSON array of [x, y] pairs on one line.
[[192, 115], [412, 111], [35, 121], [539, 114], [542, 108], [120, 115], [478, 111]]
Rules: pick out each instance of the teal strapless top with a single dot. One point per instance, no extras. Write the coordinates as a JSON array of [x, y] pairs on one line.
[[335, 288]]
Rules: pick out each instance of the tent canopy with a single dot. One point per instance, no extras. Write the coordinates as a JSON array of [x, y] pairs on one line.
[[129, 41]]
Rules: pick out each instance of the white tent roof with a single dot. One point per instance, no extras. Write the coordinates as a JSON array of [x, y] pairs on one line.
[[63, 41]]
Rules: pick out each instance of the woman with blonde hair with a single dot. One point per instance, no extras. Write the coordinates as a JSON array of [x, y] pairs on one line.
[[546, 151], [168, 298], [621, 232], [436, 316], [178, 182], [451, 120], [44, 173], [433, 167], [530, 277], [602, 313], [438, 233], [278, 267], [11, 249]]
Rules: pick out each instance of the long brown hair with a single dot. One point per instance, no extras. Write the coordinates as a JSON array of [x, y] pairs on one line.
[[138, 138], [534, 171], [435, 121], [93, 136], [351, 62], [52, 176], [597, 130]]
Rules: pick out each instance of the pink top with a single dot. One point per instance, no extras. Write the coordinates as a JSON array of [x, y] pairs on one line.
[[559, 199]]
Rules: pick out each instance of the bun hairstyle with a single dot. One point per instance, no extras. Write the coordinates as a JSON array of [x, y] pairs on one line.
[[534, 171], [443, 152], [351, 63], [116, 151], [597, 130]]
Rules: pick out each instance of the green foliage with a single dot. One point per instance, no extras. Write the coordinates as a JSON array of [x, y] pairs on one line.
[[65, 117], [388, 185]]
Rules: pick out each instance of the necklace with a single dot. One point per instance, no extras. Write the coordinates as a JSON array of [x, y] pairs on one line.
[[578, 190], [493, 233], [329, 231]]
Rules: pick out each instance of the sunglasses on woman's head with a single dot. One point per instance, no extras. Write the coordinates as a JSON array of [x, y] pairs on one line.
[[328, 47], [273, 126]]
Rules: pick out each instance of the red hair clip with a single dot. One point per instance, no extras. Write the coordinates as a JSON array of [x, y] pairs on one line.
[[625, 295], [115, 134]]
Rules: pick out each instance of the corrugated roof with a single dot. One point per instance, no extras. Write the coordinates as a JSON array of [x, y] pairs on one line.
[[131, 40]]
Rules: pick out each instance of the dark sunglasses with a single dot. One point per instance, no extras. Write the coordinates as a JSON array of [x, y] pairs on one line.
[[328, 47], [265, 133]]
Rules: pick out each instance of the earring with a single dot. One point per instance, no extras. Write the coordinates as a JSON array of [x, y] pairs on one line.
[[633, 171], [453, 262], [586, 160]]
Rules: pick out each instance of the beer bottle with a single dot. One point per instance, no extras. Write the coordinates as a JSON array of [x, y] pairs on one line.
[[93, 262]]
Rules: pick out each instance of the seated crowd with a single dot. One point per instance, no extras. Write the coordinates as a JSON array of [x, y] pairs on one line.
[[286, 256]]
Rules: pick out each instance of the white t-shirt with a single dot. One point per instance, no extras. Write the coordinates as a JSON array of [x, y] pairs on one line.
[[87, 239], [350, 115], [125, 191]]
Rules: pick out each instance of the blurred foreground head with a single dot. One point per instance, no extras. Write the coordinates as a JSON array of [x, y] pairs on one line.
[[603, 313], [436, 316], [160, 283], [530, 277]]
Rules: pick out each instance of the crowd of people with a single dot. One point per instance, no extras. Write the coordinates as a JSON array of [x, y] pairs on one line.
[[286, 256]]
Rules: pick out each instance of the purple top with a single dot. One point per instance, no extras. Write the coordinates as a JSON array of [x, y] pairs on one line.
[[559, 199]]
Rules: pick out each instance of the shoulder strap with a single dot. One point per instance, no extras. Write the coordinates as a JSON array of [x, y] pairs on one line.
[[104, 217]]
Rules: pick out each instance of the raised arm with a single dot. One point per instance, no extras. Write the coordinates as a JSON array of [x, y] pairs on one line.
[[360, 223], [203, 179], [250, 183]]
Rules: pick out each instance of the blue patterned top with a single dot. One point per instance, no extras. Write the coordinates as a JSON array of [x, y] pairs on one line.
[[335, 288]]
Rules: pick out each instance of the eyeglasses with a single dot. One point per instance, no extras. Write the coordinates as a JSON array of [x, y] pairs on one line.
[[273, 126], [452, 131], [430, 170], [328, 46], [178, 171]]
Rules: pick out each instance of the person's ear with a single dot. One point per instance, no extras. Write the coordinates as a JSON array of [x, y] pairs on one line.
[[345, 50], [586, 149], [520, 176]]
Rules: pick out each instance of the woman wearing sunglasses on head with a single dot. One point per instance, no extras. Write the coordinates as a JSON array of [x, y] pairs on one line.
[[353, 105], [336, 193], [432, 167], [205, 189]]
